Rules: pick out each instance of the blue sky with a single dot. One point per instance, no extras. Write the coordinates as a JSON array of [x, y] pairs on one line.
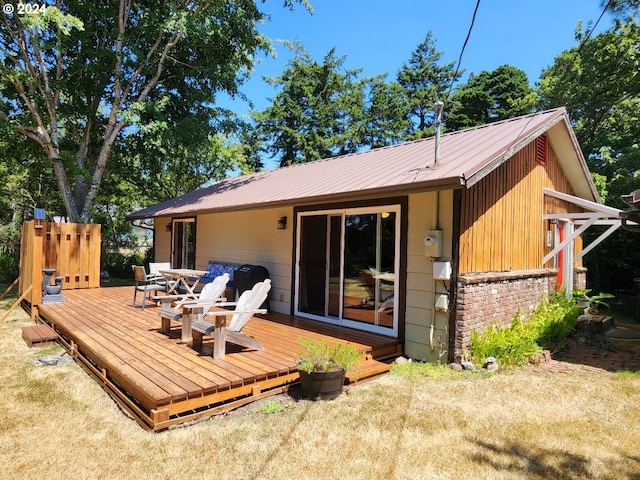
[[379, 35]]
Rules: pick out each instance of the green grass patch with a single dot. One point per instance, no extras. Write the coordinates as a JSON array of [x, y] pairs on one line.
[[116, 282], [273, 406], [416, 371]]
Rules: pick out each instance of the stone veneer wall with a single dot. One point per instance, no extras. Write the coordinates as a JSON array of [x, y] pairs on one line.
[[487, 298]]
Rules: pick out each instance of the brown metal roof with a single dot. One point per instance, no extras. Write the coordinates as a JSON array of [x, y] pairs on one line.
[[465, 157]]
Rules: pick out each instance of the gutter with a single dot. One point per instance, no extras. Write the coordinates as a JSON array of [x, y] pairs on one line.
[[439, 184]]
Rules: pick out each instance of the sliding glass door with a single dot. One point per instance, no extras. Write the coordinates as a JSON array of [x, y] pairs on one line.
[[346, 267]]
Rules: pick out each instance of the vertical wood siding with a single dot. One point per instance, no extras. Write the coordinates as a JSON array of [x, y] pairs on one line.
[[502, 228]]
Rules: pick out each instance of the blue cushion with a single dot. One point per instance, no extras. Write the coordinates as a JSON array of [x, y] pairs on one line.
[[214, 270], [230, 269]]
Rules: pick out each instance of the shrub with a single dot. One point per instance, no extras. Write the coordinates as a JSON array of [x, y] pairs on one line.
[[555, 320], [511, 345], [322, 356], [552, 322], [119, 265], [9, 267]]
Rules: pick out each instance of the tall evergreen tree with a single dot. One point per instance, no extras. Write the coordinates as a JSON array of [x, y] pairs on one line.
[[489, 97], [387, 114], [426, 81], [317, 112]]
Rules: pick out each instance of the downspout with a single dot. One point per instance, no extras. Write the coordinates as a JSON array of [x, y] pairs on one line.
[[455, 266], [438, 106]]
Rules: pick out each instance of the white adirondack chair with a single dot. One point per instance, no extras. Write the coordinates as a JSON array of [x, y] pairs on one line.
[[188, 307], [248, 304]]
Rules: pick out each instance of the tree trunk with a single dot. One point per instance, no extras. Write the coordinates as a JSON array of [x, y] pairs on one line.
[[65, 189]]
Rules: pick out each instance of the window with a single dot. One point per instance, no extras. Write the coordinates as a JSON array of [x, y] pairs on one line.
[[183, 243]]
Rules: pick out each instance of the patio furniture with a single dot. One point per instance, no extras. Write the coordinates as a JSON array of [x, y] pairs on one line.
[[182, 279], [210, 295], [247, 305], [215, 269], [154, 271], [143, 283], [370, 278]]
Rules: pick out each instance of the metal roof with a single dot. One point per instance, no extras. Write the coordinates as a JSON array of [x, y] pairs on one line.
[[464, 158]]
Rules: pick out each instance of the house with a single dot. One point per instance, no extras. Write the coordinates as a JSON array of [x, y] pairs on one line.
[[399, 242]]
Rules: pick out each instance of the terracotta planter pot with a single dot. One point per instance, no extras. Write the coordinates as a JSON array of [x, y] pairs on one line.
[[322, 385]]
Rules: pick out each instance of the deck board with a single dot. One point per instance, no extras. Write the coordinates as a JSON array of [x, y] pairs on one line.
[[161, 380]]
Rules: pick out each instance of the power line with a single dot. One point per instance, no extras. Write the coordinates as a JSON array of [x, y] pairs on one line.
[[574, 58], [464, 45], [584, 40], [473, 19]]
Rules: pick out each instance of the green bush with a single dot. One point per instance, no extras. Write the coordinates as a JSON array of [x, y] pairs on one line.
[[555, 320], [119, 265], [552, 322], [510, 345], [9, 267]]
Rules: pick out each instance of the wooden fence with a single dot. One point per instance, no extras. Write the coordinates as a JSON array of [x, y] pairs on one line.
[[72, 249]]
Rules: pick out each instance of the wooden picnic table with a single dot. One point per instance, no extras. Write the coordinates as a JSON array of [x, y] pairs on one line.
[[186, 278]]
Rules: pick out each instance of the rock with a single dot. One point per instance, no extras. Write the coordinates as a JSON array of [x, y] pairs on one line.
[[537, 359], [466, 365], [455, 366], [490, 364], [402, 360]]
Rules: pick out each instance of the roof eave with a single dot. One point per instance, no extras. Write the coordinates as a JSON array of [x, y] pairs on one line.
[[474, 178], [455, 182]]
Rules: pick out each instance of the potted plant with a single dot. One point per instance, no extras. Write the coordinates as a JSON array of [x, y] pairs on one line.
[[591, 303], [322, 366]]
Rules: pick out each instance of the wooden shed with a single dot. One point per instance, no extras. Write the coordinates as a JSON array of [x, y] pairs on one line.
[[398, 241]]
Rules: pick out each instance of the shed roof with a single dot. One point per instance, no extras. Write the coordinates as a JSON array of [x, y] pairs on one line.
[[465, 157]]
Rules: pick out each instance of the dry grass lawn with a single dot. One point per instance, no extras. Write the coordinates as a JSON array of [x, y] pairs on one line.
[[431, 424]]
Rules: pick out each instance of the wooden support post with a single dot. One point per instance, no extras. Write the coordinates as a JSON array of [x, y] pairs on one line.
[[22, 297], [37, 266], [9, 288], [160, 414]]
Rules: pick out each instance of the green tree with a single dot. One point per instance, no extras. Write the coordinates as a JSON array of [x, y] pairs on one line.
[[386, 114], [317, 113], [25, 183], [75, 80], [622, 8], [425, 82], [598, 83], [175, 149], [489, 97]]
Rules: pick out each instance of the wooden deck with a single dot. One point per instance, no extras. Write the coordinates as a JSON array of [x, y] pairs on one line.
[[162, 381]]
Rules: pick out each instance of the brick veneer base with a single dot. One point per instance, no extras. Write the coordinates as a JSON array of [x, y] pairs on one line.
[[580, 278], [487, 298]]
